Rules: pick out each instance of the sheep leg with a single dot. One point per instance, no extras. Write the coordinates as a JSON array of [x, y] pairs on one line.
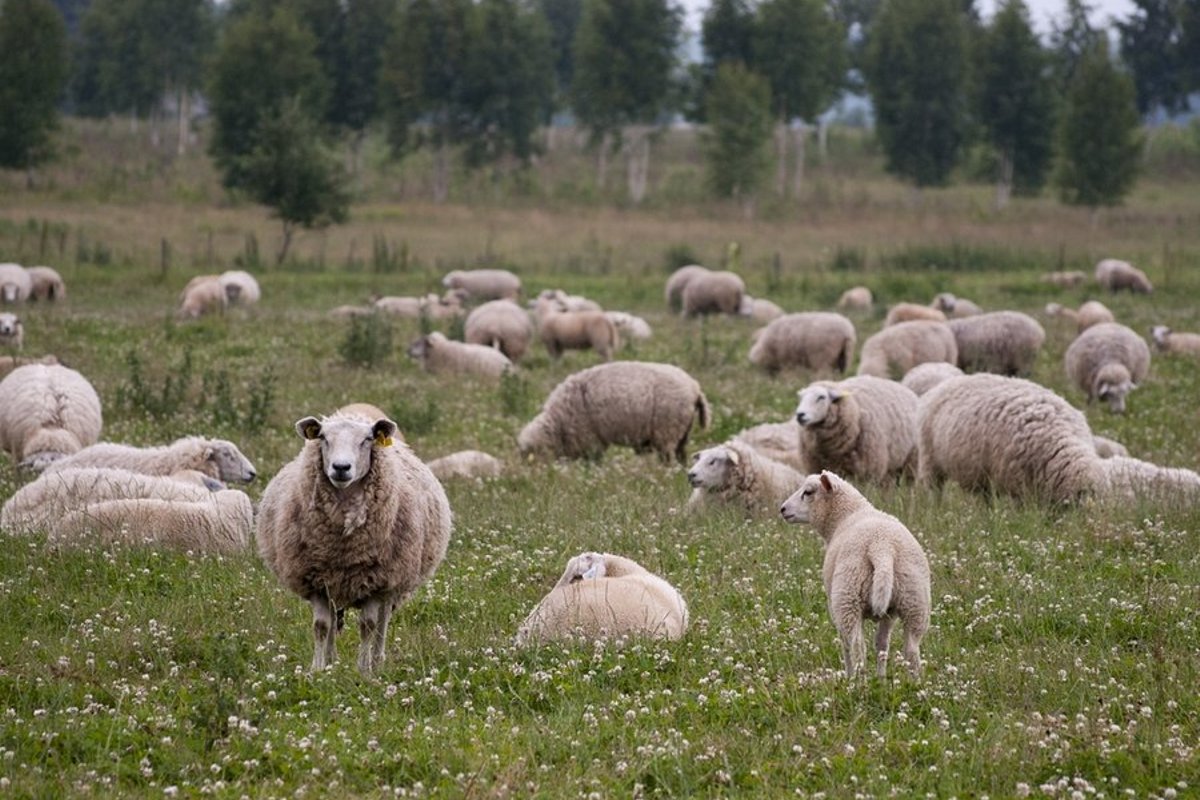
[[881, 645], [372, 621], [324, 651], [914, 630]]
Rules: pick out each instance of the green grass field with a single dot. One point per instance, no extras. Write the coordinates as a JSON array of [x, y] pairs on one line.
[[1063, 657]]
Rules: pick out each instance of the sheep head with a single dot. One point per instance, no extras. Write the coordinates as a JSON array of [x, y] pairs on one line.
[[1112, 383], [713, 468], [1158, 333], [584, 566], [346, 444], [229, 462], [816, 404]]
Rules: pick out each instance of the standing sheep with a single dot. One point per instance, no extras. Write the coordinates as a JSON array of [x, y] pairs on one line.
[[953, 306], [1005, 342], [484, 284], [896, 349], [1167, 341], [501, 324], [1115, 275], [562, 330], [863, 427], [47, 412], [874, 569], [907, 312], [439, 354], [924, 377], [734, 472], [1107, 361], [814, 340], [219, 523], [203, 294], [15, 284], [641, 405], [219, 459], [603, 595], [241, 288], [713, 293], [857, 298], [354, 521], [46, 284], [678, 282], [12, 332]]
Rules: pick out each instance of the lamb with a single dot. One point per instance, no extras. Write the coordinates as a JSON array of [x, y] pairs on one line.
[[1006, 342], [219, 524], [484, 284], [857, 298], [47, 411], [1107, 361], [15, 284], [241, 288], [924, 377], [203, 294], [439, 354], [638, 404], [678, 282], [874, 569], [907, 312], [1115, 275], [1093, 312], [736, 473], [562, 330], [629, 325], [953, 306], [46, 284], [815, 340], [501, 324], [713, 293], [779, 441], [465, 464], [863, 427], [9, 363], [759, 309], [604, 595], [1064, 279], [219, 459], [896, 349], [1167, 341], [353, 521], [12, 332]]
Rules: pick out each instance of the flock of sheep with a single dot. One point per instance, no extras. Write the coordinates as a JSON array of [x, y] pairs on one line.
[[357, 520]]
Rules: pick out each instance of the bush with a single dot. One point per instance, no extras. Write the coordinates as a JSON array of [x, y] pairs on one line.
[[368, 342]]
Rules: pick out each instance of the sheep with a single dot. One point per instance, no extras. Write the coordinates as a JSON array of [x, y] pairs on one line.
[[501, 324], [1064, 279], [857, 298], [219, 524], [439, 354], [1114, 275], [863, 427], [1167, 341], [604, 595], [448, 306], [907, 312], [465, 464], [203, 294], [568, 302], [713, 293], [47, 411], [629, 325], [953, 306], [1107, 448], [779, 441], [9, 363], [874, 568], [1006, 342], [815, 340], [1107, 361], [1093, 312], [241, 288], [924, 377], [562, 330], [673, 293], [351, 312], [736, 473], [1125, 479], [46, 284], [406, 307], [642, 405], [896, 349], [12, 332], [759, 309], [484, 284], [353, 521], [15, 284], [219, 459]]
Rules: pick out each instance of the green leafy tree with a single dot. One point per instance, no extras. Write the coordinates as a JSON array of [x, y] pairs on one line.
[[1150, 40], [33, 71], [1189, 44], [363, 28], [1072, 37], [562, 20], [739, 129], [727, 36], [920, 101]]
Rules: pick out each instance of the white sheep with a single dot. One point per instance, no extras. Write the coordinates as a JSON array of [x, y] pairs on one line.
[[953, 306], [863, 427], [629, 325], [12, 332], [1005, 342], [896, 349], [219, 459], [46, 284], [501, 324], [562, 330], [907, 312], [47, 411], [641, 405], [219, 523], [857, 298], [1125, 479], [924, 377], [484, 284], [1114, 275], [603, 595], [814, 340], [1168, 341], [9, 363], [1107, 361], [405, 307], [779, 441], [736, 473], [1064, 279], [203, 295], [466, 464], [678, 281], [439, 354], [874, 569], [713, 293], [15, 284], [241, 288], [1093, 312], [354, 521], [568, 302], [759, 309]]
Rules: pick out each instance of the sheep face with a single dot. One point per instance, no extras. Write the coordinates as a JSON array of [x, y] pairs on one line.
[[1158, 333], [816, 403], [1112, 384], [8, 292], [231, 465], [346, 445], [713, 468], [10, 327], [583, 566], [798, 507], [419, 349], [945, 302]]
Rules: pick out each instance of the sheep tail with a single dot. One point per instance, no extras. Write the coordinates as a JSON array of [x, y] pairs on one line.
[[882, 582]]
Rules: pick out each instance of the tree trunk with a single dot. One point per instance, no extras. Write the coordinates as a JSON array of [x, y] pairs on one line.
[[441, 173], [638, 162], [155, 123], [602, 161], [823, 139], [184, 122], [1005, 182], [288, 230], [801, 135], [781, 158]]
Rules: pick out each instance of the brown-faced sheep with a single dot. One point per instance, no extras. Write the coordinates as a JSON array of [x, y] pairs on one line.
[[501, 324], [735, 473], [47, 411], [438, 354], [1115, 275], [46, 284], [814, 340], [217, 458], [1107, 361]]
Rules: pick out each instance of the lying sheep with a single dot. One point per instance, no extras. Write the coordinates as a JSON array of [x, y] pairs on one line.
[[241, 288], [484, 284], [896, 349], [562, 330], [219, 459], [1167, 341], [439, 354], [814, 340], [9, 363], [603, 595], [908, 312], [1005, 342], [15, 283], [12, 332], [629, 325], [678, 282], [759, 309], [713, 293], [203, 295], [1107, 362], [46, 284], [633, 403], [465, 464], [354, 521], [857, 298], [736, 473], [501, 324], [779, 441], [1064, 280], [47, 411], [1093, 312], [923, 377], [953, 306], [863, 427], [217, 524], [1115, 275], [874, 569]]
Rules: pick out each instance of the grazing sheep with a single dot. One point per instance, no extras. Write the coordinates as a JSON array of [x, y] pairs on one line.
[[501, 324], [858, 298], [1107, 361], [713, 293], [353, 521], [874, 569], [907, 312], [562, 330], [12, 332], [813, 340], [15, 284], [1107, 448], [1065, 280], [1115, 275], [204, 294], [217, 458], [863, 427], [241, 288], [678, 282], [924, 377], [778, 441], [1005, 342], [219, 523], [484, 284], [953, 306], [439, 354], [641, 405], [47, 411], [603, 595], [630, 325], [759, 309], [9, 363], [1093, 312], [896, 349], [465, 464], [734, 472], [1167, 341], [46, 284]]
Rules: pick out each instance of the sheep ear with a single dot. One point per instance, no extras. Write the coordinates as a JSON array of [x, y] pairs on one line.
[[382, 430], [733, 456], [826, 484], [309, 428], [835, 395]]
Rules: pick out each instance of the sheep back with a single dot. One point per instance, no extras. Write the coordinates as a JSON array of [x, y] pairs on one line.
[[219, 523], [46, 411], [678, 281], [484, 284], [46, 284], [896, 349], [813, 340], [1004, 342], [579, 330], [501, 324], [924, 377], [1101, 345], [713, 293]]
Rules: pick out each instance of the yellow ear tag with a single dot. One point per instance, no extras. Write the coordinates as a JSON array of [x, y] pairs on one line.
[[383, 441]]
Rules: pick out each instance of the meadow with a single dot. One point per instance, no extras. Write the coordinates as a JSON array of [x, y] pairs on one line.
[[1064, 653]]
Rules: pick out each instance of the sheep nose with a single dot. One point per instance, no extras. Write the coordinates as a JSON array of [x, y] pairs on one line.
[[800, 417], [341, 467], [251, 475]]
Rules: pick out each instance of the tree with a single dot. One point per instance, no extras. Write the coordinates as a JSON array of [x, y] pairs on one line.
[[562, 20], [739, 119], [1071, 39], [1099, 141], [727, 36], [363, 34], [1150, 40], [33, 71], [920, 102], [1189, 44], [1015, 100]]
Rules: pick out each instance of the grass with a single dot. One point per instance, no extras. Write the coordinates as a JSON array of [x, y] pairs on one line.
[[1063, 656]]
